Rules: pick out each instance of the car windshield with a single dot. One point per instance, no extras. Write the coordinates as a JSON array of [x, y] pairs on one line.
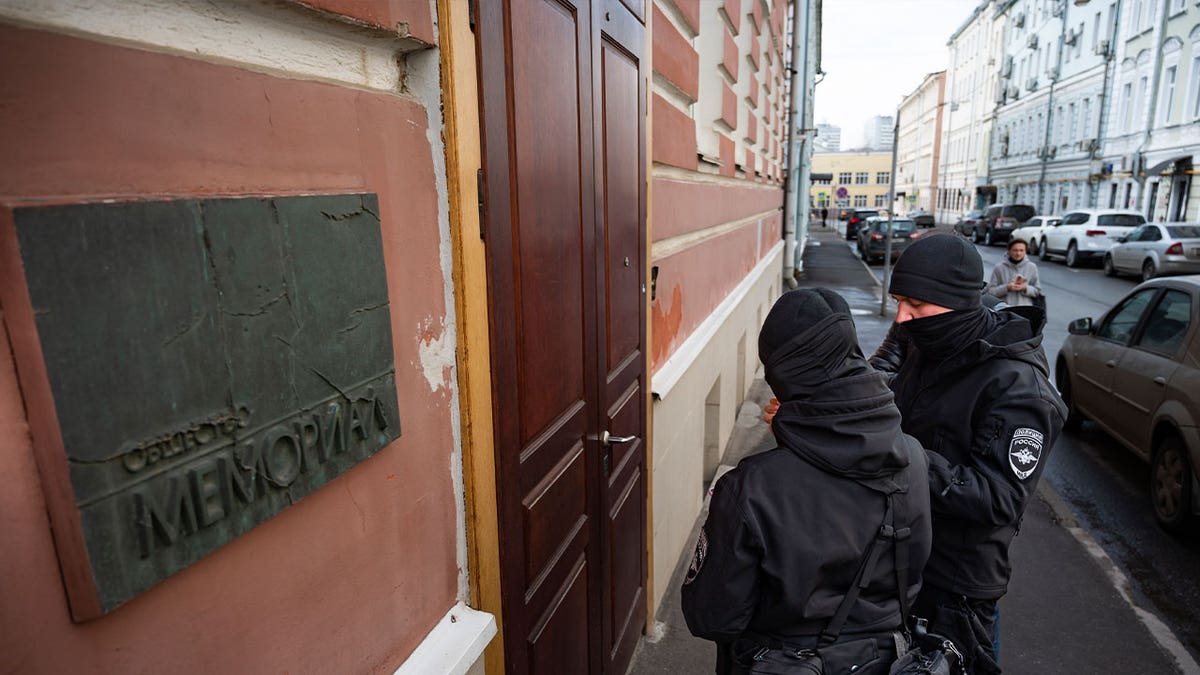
[[1120, 220], [1184, 231], [1020, 212]]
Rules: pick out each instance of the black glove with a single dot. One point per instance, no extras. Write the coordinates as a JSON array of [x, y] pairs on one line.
[[890, 355]]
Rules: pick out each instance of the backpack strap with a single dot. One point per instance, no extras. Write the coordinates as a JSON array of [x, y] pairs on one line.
[[862, 578], [901, 537]]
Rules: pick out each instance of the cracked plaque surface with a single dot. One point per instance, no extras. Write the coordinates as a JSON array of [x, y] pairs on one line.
[[212, 361]]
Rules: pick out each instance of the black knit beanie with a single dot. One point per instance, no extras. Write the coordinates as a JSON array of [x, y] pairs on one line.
[[942, 269]]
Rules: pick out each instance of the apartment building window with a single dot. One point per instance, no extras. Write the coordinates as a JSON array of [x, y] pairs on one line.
[[1096, 29], [1168, 95], [844, 177], [880, 201], [1126, 107], [1074, 122], [883, 177], [1086, 118], [1079, 41], [822, 181], [1143, 82], [860, 201], [1059, 126], [1195, 107], [862, 177], [1177, 6]]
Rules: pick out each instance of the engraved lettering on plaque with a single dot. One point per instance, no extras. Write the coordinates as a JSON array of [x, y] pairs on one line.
[[211, 362]]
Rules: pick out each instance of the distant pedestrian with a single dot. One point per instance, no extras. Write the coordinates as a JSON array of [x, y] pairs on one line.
[[790, 530], [824, 216], [1015, 279]]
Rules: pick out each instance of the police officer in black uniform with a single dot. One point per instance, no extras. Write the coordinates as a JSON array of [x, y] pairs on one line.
[[973, 388], [787, 528]]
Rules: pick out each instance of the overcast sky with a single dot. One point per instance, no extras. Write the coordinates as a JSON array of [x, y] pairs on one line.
[[877, 51]]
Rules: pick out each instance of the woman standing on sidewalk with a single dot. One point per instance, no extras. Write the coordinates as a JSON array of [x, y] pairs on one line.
[[788, 528], [1015, 279]]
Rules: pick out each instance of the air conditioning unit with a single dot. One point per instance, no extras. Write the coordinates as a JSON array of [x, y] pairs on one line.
[[1006, 69], [1041, 152], [1032, 41], [1102, 47], [1019, 20], [1014, 93], [1071, 37], [1051, 152], [1052, 73], [1031, 83], [1091, 144]]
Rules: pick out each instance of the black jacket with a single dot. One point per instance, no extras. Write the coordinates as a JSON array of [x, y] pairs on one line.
[[988, 417], [787, 527]]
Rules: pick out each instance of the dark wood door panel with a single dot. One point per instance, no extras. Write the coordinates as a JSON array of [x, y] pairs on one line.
[[555, 512], [553, 234], [626, 570], [622, 201], [558, 643]]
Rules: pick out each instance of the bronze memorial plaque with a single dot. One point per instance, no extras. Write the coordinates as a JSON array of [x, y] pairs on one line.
[[210, 362]]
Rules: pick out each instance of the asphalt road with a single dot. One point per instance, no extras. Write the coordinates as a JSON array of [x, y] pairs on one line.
[[1105, 485]]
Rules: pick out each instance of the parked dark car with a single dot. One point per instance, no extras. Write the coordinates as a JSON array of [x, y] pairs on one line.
[[921, 218], [855, 220], [998, 222], [966, 224], [1136, 373], [872, 239]]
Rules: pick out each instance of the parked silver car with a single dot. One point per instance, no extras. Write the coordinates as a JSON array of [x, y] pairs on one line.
[[1031, 232], [1156, 249], [1136, 373]]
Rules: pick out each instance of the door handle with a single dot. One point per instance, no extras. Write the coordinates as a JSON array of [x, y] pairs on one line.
[[608, 439], [1110, 364], [1160, 381]]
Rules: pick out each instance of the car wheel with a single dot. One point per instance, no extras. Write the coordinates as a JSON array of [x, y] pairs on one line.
[[1171, 484], [1072, 255], [987, 237], [1043, 252], [1032, 245], [1148, 270], [1110, 270], [1062, 378]]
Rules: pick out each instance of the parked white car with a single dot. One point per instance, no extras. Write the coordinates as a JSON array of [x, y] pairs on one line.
[[1087, 234], [1031, 232], [1156, 249]]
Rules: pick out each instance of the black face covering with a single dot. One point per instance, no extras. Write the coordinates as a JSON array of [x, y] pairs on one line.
[[824, 352], [941, 336]]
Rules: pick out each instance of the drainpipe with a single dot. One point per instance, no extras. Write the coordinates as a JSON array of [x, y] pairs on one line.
[[796, 210], [1062, 45], [1155, 81], [1110, 67]]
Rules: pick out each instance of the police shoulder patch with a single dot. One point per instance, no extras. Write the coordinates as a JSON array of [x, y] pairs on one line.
[[698, 557], [1025, 451]]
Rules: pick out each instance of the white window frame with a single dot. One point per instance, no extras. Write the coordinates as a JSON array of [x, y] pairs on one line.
[[1127, 107], [1194, 98], [1170, 78]]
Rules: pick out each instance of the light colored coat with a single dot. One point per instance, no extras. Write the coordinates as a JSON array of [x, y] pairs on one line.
[[1004, 272]]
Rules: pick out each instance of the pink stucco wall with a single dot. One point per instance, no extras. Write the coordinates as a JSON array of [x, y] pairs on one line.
[[351, 578]]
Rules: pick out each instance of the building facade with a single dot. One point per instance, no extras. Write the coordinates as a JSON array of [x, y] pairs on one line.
[[301, 369], [828, 139], [880, 132], [1151, 136], [918, 151], [862, 177], [971, 85]]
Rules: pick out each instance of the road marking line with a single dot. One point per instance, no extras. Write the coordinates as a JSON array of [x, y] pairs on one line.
[[1158, 630]]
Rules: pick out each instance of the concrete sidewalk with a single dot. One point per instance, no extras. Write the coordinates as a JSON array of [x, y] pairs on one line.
[[1068, 609]]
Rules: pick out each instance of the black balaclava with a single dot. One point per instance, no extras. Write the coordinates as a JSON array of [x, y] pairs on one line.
[[944, 270], [807, 340]]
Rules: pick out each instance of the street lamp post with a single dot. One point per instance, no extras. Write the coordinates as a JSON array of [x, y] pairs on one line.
[[887, 248]]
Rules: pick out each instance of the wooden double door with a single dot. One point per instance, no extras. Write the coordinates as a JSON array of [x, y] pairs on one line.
[[563, 107]]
